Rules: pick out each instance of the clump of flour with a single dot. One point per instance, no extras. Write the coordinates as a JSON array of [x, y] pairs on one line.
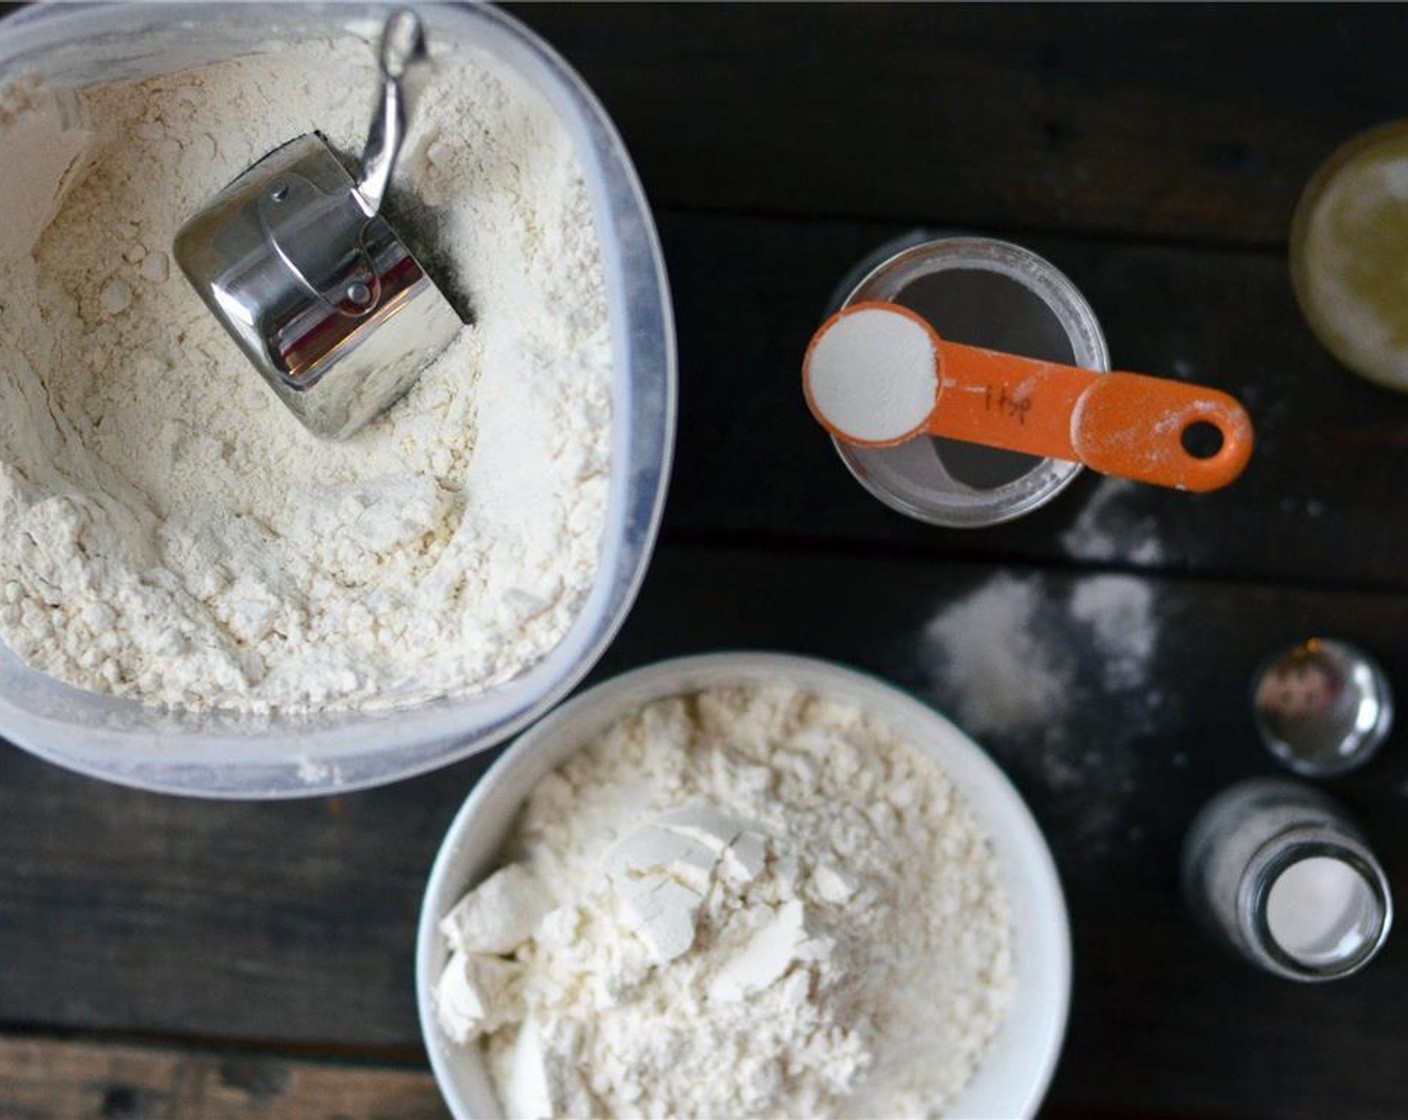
[[170, 532], [746, 902]]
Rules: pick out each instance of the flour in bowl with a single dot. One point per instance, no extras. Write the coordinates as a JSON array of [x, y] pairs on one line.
[[745, 902], [167, 531]]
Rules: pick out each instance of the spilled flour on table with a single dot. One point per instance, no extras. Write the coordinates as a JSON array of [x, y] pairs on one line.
[[1118, 610], [1003, 676], [1018, 659], [1107, 529]]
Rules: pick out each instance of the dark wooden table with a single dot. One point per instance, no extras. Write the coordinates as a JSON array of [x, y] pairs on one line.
[[168, 958]]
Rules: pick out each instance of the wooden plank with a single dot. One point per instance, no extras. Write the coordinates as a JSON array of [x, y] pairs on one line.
[[293, 923], [1322, 501], [49, 1079], [1182, 121], [1187, 122]]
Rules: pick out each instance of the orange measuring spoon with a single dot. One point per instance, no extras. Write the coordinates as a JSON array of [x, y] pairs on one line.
[[876, 375]]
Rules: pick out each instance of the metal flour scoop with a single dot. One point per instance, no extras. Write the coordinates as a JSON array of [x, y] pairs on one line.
[[297, 263]]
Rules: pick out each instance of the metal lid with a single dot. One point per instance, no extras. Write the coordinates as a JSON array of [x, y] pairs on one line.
[[1322, 707]]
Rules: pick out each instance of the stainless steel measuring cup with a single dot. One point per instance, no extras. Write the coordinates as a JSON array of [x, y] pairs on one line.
[[298, 264]]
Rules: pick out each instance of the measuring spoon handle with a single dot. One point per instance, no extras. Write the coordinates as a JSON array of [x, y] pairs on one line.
[[1124, 424], [1133, 426]]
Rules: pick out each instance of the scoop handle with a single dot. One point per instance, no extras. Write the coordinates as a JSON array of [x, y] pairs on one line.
[[1124, 424], [401, 53]]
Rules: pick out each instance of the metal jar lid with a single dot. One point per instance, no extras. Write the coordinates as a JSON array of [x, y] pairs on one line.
[[983, 292], [1322, 707]]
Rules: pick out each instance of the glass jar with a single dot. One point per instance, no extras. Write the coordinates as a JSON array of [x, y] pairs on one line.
[[1278, 871], [981, 292]]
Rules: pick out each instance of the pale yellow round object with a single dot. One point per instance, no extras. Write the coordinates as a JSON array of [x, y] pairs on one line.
[[1349, 254]]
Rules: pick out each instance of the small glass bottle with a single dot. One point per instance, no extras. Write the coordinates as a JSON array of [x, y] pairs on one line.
[[1278, 871], [1322, 707]]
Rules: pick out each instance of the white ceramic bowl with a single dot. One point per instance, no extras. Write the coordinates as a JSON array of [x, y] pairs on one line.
[[1016, 1069]]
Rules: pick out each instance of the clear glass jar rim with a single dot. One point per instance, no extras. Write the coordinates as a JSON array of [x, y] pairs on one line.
[[1278, 855], [1074, 315]]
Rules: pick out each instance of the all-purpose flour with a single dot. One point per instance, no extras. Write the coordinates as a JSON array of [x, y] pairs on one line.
[[746, 902], [167, 531]]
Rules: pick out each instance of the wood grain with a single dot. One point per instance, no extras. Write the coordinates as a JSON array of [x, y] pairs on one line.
[[1187, 122], [1182, 121], [48, 1079], [293, 923]]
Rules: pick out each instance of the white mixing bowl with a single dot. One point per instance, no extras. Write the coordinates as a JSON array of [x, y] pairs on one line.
[[222, 755], [1016, 1069]]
